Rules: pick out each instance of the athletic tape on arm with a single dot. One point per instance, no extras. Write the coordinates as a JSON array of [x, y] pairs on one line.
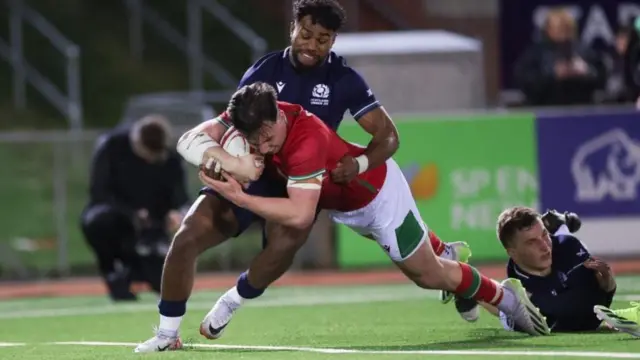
[[306, 185], [192, 146]]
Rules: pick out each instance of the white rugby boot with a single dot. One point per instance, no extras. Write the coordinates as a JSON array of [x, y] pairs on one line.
[[160, 342], [525, 316], [217, 319]]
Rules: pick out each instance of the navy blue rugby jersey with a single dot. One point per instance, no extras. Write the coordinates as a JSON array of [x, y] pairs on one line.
[[327, 91], [567, 295]]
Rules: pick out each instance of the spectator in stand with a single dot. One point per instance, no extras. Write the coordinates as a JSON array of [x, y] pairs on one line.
[[557, 70], [617, 90]]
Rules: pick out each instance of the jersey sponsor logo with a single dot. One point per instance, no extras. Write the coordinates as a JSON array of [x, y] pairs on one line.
[[280, 85], [320, 95]]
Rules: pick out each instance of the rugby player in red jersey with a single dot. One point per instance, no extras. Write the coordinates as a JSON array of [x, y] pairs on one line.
[[300, 151]]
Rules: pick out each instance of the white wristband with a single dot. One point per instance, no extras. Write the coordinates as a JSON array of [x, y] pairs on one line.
[[192, 146], [363, 163]]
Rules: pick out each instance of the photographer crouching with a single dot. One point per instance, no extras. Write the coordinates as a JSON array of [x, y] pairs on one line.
[[137, 199]]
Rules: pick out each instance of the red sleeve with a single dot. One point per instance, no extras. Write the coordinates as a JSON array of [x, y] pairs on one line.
[[308, 155]]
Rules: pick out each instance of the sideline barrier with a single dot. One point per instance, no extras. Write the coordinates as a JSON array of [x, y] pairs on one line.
[[465, 170]]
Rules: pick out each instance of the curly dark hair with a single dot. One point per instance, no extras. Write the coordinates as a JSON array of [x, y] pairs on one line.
[[328, 13], [251, 106]]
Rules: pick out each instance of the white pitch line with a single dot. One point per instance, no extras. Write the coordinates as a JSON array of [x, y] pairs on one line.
[[291, 301], [8, 344], [582, 354]]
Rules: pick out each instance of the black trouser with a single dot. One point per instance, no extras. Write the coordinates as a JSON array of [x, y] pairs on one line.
[[113, 238]]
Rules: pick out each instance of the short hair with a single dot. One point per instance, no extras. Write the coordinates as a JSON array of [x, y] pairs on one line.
[[513, 220], [562, 14], [328, 13], [153, 132], [251, 106]]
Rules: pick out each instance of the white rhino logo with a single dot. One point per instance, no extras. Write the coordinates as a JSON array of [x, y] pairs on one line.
[[607, 165]]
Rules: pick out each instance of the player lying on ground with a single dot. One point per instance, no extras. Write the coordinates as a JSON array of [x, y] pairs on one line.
[[212, 220], [571, 288], [378, 204]]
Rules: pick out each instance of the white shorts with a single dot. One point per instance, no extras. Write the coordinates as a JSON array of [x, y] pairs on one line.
[[392, 218]]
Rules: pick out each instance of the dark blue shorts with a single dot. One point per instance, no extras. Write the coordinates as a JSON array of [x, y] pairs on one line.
[[262, 187]]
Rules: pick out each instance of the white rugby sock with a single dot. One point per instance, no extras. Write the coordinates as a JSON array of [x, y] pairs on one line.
[[448, 253], [508, 303], [169, 325], [232, 295]]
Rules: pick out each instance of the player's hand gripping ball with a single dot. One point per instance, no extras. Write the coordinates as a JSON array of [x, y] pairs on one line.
[[234, 143]]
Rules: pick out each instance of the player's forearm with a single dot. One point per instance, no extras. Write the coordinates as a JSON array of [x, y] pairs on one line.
[[202, 143], [380, 149], [608, 284], [279, 210], [385, 140]]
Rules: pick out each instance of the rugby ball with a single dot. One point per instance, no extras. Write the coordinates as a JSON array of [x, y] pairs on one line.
[[235, 144]]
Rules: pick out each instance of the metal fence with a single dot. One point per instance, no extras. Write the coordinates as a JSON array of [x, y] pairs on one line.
[[45, 179]]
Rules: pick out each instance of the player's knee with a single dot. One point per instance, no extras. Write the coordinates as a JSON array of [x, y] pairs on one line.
[[286, 241], [430, 281], [429, 278], [190, 240], [285, 245], [207, 224]]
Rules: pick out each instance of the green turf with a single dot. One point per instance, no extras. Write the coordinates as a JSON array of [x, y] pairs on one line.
[[367, 321]]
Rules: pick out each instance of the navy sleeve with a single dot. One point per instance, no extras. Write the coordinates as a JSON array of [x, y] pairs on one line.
[[258, 70], [359, 97], [249, 77], [572, 247]]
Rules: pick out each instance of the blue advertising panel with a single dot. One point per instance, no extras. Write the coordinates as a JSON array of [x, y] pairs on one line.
[[590, 163]]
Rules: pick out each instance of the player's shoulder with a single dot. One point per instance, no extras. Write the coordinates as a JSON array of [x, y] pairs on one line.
[[294, 112], [339, 67], [267, 61], [565, 241], [291, 111], [568, 246], [303, 122]]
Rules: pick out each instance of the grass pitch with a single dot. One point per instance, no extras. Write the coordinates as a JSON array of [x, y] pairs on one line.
[[363, 322]]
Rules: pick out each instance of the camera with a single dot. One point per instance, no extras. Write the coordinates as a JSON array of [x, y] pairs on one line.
[[152, 240]]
